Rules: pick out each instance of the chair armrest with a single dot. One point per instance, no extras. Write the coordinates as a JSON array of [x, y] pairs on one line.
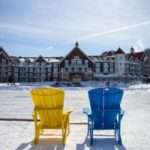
[[35, 118], [33, 114], [67, 111], [122, 113], [86, 111]]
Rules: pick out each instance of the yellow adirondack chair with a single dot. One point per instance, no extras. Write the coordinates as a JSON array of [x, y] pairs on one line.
[[48, 111]]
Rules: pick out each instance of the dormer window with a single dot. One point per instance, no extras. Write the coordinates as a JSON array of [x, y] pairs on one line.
[[86, 61], [131, 58], [66, 61], [76, 57], [4, 61], [43, 63]]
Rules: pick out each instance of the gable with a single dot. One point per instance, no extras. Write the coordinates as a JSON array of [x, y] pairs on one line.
[[40, 59], [3, 55], [119, 51], [76, 52]]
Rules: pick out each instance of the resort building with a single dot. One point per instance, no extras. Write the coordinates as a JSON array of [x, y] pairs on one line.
[[76, 66], [146, 66]]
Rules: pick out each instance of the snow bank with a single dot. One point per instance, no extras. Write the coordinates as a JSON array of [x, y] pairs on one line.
[[83, 85]]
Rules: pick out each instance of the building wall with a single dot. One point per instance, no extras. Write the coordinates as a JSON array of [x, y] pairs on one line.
[[119, 64], [76, 65], [146, 66]]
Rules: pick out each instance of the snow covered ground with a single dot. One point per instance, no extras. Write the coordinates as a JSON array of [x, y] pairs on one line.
[[15, 102]]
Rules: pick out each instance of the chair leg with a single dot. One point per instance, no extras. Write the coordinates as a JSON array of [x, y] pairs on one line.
[[37, 129], [88, 132], [115, 133], [64, 133], [68, 127], [65, 129], [91, 135], [119, 138], [36, 138]]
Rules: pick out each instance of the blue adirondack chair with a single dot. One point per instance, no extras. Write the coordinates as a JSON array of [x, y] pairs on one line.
[[105, 113]]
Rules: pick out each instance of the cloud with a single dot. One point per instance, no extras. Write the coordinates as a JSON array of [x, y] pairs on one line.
[[61, 23], [94, 35], [49, 47], [23, 29], [139, 46]]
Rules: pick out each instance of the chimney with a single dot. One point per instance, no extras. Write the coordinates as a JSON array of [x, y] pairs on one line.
[[132, 50], [76, 44]]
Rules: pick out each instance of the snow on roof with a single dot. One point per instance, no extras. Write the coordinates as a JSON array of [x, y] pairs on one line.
[[51, 60], [94, 58], [31, 59], [22, 60]]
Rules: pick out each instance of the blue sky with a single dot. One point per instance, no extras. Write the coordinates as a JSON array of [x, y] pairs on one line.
[[51, 27]]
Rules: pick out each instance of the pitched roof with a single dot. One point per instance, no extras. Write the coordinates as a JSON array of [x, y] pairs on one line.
[[52, 60], [40, 59], [2, 51], [136, 55], [14, 59], [108, 53], [75, 50], [119, 51]]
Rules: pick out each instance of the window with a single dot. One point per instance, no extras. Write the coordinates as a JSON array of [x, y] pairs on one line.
[[76, 57], [79, 62], [97, 64], [55, 65], [66, 61], [72, 68], [86, 61], [3, 61], [97, 70], [73, 61]]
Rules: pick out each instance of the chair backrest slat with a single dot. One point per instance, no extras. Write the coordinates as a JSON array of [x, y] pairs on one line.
[[105, 104], [49, 104]]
